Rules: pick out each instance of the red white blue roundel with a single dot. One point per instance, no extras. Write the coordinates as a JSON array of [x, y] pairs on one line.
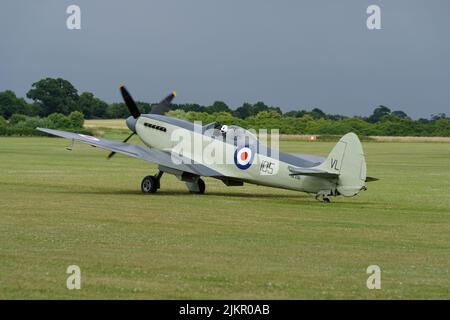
[[243, 157]]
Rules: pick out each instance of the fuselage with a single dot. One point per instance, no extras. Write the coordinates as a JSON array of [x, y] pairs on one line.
[[264, 168]]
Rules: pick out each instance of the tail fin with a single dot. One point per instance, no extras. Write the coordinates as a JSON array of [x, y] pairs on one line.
[[347, 160]]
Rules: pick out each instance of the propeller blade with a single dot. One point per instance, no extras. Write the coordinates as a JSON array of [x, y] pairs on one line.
[[164, 105], [129, 102], [111, 154], [127, 138]]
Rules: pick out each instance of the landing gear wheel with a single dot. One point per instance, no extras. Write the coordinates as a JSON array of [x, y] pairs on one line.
[[196, 186], [201, 186], [322, 198], [149, 184]]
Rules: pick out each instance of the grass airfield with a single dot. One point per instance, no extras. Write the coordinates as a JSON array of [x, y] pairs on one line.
[[59, 208]]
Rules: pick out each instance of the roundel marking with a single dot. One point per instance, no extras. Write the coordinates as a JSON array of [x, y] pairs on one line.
[[243, 157]]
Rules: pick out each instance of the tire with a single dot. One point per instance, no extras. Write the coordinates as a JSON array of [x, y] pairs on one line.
[[201, 186], [149, 185]]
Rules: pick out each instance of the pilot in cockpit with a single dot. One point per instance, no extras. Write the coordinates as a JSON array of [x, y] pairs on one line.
[[224, 130]]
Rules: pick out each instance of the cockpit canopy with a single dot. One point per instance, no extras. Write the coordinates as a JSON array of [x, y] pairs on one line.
[[235, 134]]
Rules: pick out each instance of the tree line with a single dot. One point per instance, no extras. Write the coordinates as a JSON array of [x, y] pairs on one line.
[[58, 96]]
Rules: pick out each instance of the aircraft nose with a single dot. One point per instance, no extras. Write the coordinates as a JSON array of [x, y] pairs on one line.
[[131, 123]]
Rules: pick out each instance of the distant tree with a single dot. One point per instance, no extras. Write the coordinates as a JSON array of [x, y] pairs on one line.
[[76, 119], [178, 113], [296, 113], [243, 111], [22, 124], [54, 95], [336, 117], [248, 110], [204, 117], [441, 127], [144, 107], [10, 104], [400, 114], [34, 109], [3, 122], [28, 123], [117, 110], [379, 113], [258, 107], [438, 116], [188, 107], [218, 106], [276, 110], [58, 120], [91, 106], [268, 114], [58, 94], [316, 113], [16, 118]]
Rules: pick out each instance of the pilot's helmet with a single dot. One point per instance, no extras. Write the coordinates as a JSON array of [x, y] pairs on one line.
[[224, 129]]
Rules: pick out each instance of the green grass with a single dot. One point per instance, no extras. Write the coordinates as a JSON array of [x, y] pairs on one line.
[[59, 208], [105, 123]]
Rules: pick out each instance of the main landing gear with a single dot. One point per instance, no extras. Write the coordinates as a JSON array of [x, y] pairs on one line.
[[197, 186], [150, 184]]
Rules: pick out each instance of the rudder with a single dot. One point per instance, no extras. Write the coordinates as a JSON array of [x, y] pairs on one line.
[[347, 160]]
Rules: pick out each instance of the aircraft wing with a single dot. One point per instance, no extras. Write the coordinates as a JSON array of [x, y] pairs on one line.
[[148, 154], [298, 171]]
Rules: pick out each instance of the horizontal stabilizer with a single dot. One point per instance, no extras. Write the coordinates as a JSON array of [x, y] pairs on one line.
[[298, 171]]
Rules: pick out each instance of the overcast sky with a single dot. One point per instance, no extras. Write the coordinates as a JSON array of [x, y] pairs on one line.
[[292, 54]]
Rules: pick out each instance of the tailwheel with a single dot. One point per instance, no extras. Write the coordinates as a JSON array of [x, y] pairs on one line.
[[149, 184], [322, 198]]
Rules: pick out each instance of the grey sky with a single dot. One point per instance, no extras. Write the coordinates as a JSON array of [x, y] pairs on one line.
[[292, 54]]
